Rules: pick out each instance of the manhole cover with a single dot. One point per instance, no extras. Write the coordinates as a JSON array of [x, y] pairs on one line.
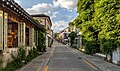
[[79, 58]]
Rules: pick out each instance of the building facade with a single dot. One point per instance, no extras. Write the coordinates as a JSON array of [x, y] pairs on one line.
[[46, 21], [17, 29]]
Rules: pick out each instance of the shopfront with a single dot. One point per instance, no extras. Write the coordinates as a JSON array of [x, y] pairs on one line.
[[17, 27]]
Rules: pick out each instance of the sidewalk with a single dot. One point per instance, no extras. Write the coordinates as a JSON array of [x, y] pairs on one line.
[[38, 63], [97, 61]]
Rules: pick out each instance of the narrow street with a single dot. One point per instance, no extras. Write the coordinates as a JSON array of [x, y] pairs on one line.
[[30, 32], [65, 59]]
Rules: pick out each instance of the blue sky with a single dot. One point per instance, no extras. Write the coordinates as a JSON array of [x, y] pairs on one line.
[[61, 12]]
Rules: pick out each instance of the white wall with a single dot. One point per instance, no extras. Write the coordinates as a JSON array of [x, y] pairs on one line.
[[116, 56]]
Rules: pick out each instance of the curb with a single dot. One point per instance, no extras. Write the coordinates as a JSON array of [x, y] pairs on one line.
[[92, 64], [45, 63], [23, 67]]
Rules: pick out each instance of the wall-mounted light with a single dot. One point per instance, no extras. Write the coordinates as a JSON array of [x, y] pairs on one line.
[[11, 6], [14, 8], [7, 3], [3, 0]]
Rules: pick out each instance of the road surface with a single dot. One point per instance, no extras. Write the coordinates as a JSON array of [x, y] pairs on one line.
[[65, 59]]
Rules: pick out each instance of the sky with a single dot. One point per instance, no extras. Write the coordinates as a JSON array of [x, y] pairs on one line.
[[61, 12]]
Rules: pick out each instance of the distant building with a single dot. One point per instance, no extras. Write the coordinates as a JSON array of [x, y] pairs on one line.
[[78, 40], [46, 21], [63, 35]]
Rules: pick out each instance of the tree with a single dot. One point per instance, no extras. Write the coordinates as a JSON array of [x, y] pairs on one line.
[[106, 12], [84, 21], [56, 35], [72, 36], [71, 24], [99, 21]]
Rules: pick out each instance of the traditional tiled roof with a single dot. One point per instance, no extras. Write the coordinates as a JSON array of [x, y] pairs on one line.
[[12, 5]]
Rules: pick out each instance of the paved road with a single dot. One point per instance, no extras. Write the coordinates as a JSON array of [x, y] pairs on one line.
[[64, 59]]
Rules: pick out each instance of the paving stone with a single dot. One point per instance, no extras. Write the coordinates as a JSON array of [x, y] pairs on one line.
[[38, 62], [64, 59]]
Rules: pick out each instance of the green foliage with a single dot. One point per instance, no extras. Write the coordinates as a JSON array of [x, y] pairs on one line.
[[17, 62], [21, 59], [107, 12], [41, 41], [32, 54], [71, 24], [56, 35], [1, 64], [99, 22], [37, 20], [72, 36]]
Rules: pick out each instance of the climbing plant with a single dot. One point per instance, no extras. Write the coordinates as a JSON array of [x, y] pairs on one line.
[[41, 41]]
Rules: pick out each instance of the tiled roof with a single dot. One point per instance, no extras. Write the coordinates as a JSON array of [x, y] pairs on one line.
[[11, 4]]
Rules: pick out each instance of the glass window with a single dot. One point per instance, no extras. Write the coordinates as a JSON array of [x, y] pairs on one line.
[[12, 34], [27, 36]]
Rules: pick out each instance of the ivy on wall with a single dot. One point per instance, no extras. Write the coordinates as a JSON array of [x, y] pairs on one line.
[[41, 41]]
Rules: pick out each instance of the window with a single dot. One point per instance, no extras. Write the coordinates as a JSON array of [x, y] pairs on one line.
[[12, 34], [27, 36]]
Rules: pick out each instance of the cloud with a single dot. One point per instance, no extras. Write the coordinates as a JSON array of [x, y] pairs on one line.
[[18, 1], [50, 8], [40, 8], [68, 4], [44, 8], [59, 25], [58, 11]]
